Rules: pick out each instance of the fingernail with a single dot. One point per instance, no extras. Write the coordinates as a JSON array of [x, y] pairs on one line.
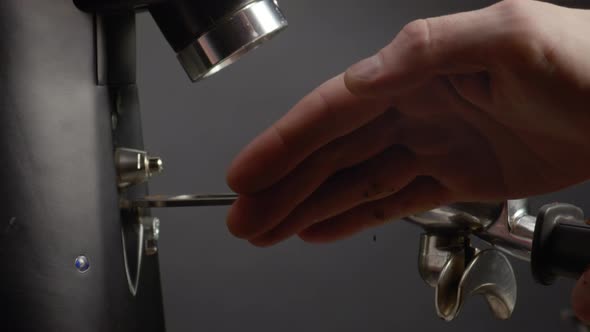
[[367, 69]]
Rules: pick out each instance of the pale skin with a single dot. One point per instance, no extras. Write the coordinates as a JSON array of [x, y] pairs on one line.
[[485, 105]]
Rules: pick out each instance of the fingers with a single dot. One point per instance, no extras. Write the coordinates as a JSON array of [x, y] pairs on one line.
[[581, 298], [254, 215], [376, 179], [458, 43], [424, 193], [329, 112], [303, 198]]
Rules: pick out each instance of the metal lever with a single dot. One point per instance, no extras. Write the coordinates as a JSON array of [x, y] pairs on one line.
[[163, 201]]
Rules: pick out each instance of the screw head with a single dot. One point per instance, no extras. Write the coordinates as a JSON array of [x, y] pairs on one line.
[[155, 165], [82, 263], [156, 229]]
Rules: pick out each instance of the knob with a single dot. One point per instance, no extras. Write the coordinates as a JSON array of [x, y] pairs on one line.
[[135, 166]]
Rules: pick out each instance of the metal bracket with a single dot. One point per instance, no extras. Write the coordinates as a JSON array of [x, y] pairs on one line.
[[139, 239], [146, 232], [140, 232]]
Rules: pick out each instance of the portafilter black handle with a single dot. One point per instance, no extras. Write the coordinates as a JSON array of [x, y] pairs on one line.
[[561, 243]]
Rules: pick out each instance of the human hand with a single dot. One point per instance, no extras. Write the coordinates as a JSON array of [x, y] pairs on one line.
[[477, 106], [482, 105]]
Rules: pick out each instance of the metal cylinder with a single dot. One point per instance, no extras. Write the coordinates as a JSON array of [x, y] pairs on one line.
[[207, 36], [210, 35]]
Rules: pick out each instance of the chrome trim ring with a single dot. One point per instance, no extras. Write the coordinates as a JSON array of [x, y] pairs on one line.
[[233, 37]]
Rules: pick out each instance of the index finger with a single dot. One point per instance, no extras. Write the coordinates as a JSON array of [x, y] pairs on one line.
[[329, 112]]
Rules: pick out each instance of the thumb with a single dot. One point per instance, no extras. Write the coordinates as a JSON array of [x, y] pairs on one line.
[[581, 298], [453, 44]]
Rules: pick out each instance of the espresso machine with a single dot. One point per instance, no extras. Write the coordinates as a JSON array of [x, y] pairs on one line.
[[78, 241]]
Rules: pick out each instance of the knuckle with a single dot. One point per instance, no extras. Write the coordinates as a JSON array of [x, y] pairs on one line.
[[281, 136], [520, 20], [417, 35], [511, 5], [524, 40], [323, 101]]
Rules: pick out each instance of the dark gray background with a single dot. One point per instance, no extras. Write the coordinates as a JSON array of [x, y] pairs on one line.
[[213, 282]]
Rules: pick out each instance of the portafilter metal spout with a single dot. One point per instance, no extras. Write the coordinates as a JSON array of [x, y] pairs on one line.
[[554, 242]]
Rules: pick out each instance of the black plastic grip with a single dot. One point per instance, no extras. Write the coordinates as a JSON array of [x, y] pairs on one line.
[[561, 244]]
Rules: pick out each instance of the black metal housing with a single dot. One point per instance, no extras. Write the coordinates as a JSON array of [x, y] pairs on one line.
[[59, 193], [560, 245], [110, 6]]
